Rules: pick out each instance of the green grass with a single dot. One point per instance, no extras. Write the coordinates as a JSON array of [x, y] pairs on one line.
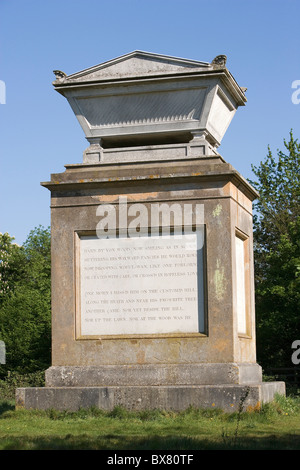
[[275, 426]]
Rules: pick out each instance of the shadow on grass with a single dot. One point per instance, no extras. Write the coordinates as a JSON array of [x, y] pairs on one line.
[[6, 406], [119, 442]]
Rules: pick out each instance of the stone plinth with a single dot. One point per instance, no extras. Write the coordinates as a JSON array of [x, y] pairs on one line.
[[229, 398], [210, 364]]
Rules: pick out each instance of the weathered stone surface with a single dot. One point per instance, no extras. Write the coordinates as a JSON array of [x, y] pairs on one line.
[[178, 398], [150, 374], [226, 198]]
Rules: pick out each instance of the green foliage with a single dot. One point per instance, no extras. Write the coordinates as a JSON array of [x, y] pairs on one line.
[[15, 380], [25, 303], [277, 254], [12, 259]]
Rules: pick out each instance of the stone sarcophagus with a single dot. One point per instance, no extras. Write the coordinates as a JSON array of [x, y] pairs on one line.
[[136, 102], [152, 259]]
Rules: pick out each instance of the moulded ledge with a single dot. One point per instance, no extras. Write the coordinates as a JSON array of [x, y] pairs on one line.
[[153, 374]]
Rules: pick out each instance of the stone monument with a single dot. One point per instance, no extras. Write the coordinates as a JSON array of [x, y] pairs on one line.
[[152, 259]]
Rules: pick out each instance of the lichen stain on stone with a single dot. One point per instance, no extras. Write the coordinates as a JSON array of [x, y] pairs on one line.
[[217, 211], [219, 281], [256, 407], [106, 198], [20, 405], [133, 341], [130, 197], [221, 345], [153, 176], [140, 356], [142, 196]]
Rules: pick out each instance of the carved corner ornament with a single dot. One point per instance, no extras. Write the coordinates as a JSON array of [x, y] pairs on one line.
[[219, 61], [59, 74]]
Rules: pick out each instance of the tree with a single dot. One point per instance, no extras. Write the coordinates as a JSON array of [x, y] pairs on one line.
[[12, 258], [25, 306], [277, 254]]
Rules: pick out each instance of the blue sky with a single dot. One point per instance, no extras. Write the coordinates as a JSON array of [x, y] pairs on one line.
[[39, 132]]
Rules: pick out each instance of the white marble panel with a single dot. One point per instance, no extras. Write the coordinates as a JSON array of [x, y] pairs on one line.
[[141, 285]]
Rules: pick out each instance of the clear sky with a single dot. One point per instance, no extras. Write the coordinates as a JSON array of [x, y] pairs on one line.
[[40, 133]]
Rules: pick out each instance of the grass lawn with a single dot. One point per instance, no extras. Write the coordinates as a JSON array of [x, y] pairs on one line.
[[276, 426]]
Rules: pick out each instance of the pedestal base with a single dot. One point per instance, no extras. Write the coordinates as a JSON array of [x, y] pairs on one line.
[[228, 397], [152, 386]]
